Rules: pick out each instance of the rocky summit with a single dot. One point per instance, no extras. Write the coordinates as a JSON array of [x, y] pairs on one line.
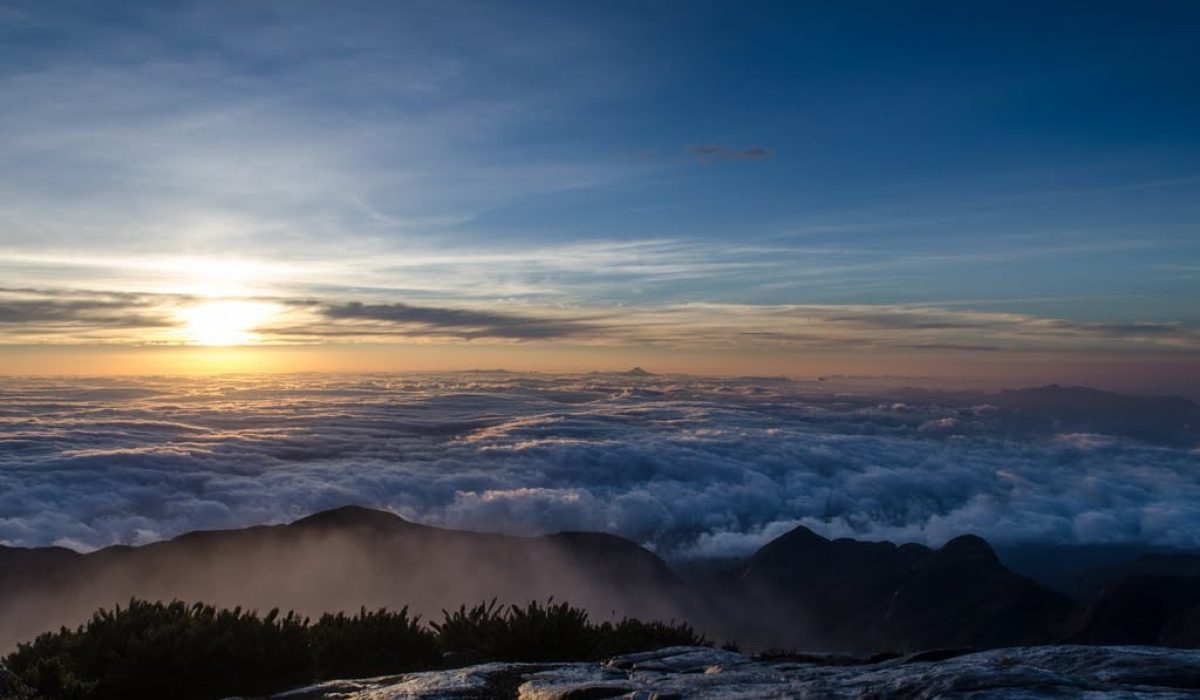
[[1024, 673]]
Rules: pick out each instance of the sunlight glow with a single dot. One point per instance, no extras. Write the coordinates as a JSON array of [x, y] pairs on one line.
[[216, 277], [228, 322]]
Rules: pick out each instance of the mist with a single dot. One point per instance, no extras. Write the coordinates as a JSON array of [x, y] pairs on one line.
[[339, 561]]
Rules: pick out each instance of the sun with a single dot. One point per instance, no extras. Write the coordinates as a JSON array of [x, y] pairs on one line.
[[228, 322]]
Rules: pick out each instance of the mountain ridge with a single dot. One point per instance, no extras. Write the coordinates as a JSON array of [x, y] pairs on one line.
[[800, 590]]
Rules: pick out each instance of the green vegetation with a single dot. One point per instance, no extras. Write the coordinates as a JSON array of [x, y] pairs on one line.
[[551, 632], [371, 644], [198, 652], [167, 650]]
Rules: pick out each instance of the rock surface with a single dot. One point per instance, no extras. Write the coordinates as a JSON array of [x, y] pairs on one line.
[[1022, 673]]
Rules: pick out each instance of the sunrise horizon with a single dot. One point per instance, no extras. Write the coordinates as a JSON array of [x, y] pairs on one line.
[[635, 348], [1112, 373], [409, 177]]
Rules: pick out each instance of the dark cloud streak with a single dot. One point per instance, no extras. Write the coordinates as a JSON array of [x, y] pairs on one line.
[[462, 323], [709, 153], [93, 313]]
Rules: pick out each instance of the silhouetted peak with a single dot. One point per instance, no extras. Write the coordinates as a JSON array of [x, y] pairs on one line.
[[971, 547], [602, 544], [913, 549], [638, 372], [353, 516], [593, 549], [798, 539], [801, 534], [594, 539]]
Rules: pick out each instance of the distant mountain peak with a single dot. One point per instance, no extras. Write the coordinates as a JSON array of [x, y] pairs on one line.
[[353, 516], [969, 547], [1066, 393], [1167, 419], [783, 550], [639, 372], [340, 559], [800, 533]]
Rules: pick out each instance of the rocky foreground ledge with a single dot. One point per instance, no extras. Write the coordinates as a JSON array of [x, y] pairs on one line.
[[1023, 673]]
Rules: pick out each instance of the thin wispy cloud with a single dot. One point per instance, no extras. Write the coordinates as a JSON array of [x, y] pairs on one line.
[[38, 316], [426, 173], [459, 323], [135, 319], [707, 154]]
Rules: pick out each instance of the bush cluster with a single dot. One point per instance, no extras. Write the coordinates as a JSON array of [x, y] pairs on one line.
[[198, 652], [551, 632], [167, 650], [371, 644]]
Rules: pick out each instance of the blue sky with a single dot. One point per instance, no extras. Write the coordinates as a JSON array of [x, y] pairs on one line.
[[1016, 167]]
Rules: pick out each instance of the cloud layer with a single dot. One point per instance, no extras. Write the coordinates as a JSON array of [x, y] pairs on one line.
[[688, 466], [73, 317]]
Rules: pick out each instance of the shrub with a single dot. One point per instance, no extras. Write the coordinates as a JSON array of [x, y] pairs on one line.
[[371, 644], [479, 631], [157, 650], [629, 635], [551, 632], [50, 678], [151, 651]]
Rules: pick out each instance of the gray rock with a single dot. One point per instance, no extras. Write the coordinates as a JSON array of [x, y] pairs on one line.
[[1022, 673]]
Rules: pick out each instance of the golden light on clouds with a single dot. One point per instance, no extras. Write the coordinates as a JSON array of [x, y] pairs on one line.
[[224, 323]]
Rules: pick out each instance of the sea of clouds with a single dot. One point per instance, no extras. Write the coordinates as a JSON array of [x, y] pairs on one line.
[[689, 466]]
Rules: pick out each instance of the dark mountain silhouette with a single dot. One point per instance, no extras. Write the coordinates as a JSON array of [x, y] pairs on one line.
[[1076, 570], [1158, 564], [1083, 571], [1146, 609], [860, 596], [961, 595], [800, 591], [831, 594], [338, 560], [1167, 419]]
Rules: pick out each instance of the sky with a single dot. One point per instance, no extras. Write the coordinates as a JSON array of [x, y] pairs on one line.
[[1006, 191]]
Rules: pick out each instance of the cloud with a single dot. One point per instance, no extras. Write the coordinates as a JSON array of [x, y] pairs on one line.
[[124, 143], [76, 312], [73, 316], [706, 154], [459, 323], [896, 327], [689, 466], [36, 314]]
